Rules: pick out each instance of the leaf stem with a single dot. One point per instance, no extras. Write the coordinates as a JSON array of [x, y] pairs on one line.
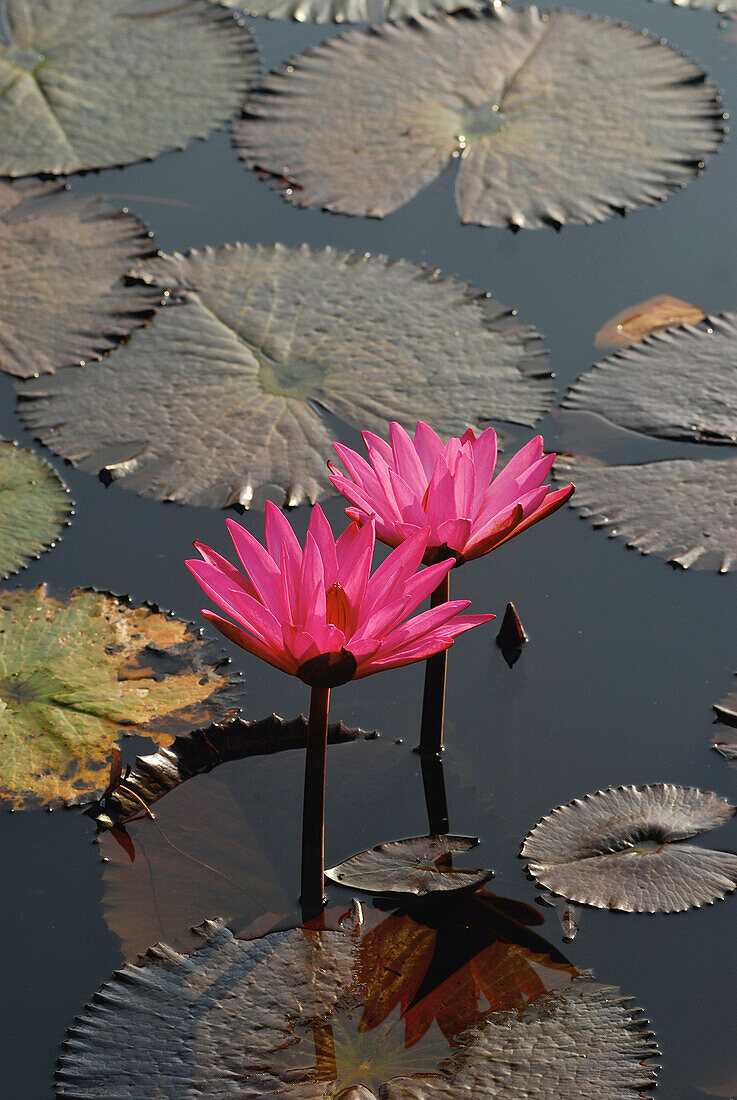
[[433, 699], [312, 898]]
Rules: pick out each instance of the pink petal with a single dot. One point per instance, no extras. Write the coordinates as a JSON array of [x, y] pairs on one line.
[[320, 530], [484, 458], [355, 551], [258, 619], [381, 621], [377, 447], [494, 533], [464, 485], [553, 502], [388, 582], [427, 621], [440, 502], [410, 507], [419, 587], [535, 474], [299, 643], [235, 577], [426, 646], [214, 584], [279, 533], [429, 446], [454, 533], [263, 571], [278, 658], [310, 609], [407, 461]]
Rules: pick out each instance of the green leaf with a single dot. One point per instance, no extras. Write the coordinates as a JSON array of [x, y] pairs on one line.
[[34, 507]]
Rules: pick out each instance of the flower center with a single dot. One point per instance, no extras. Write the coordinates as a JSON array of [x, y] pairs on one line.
[[338, 608]]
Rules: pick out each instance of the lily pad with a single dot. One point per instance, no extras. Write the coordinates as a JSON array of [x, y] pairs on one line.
[[78, 672], [726, 709], [35, 506], [349, 11], [618, 849], [279, 1016], [636, 322], [677, 384], [89, 85], [63, 295], [200, 751], [679, 509], [418, 865], [221, 393], [552, 118]]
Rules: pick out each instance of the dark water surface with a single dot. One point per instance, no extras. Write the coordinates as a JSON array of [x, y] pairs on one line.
[[626, 654]]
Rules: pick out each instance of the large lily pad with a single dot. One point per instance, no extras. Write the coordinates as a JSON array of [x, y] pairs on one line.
[[220, 394], [679, 509], [278, 1016], [63, 296], [677, 384], [78, 672], [88, 85], [417, 865], [348, 11], [617, 849], [34, 506], [552, 118]]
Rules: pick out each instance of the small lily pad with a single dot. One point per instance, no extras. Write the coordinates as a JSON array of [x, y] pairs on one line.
[[221, 393], [63, 296], [636, 322], [34, 507], [619, 849], [349, 11], [78, 672], [552, 118], [677, 384], [680, 510], [89, 85], [418, 865], [726, 709]]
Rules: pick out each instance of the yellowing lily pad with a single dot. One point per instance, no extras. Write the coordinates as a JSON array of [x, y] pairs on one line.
[[221, 394], [85, 84], [34, 506], [636, 322], [551, 118], [78, 672], [63, 293]]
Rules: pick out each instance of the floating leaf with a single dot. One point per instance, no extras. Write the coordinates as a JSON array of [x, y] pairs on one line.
[[679, 509], [281, 1016], [258, 338], [79, 671], [553, 118], [726, 709], [348, 11], [678, 384], [89, 85], [418, 865], [34, 506], [616, 850], [63, 297], [201, 750], [635, 322]]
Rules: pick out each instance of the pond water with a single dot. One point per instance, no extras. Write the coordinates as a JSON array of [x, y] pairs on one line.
[[626, 655]]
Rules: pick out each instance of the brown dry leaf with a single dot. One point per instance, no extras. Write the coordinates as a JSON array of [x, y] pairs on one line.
[[635, 322]]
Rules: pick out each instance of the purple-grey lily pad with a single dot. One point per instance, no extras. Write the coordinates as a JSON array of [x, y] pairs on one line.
[[676, 384], [85, 84], [552, 118], [620, 849], [35, 507], [63, 293], [349, 11], [417, 865], [680, 509], [220, 394]]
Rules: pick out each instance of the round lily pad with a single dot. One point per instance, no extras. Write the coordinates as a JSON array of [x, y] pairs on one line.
[[89, 85], [681, 510], [34, 506], [222, 392], [552, 118], [78, 672], [620, 849], [418, 865], [636, 322], [677, 384], [63, 295], [349, 11], [279, 1016]]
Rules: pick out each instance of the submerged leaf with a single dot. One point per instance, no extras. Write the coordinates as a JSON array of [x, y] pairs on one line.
[[679, 509], [635, 322], [78, 672], [678, 384], [63, 296], [88, 85], [221, 393], [349, 11], [34, 506], [553, 118], [617, 849], [418, 865]]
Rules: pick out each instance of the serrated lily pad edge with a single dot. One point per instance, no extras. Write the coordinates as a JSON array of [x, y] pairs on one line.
[[66, 522]]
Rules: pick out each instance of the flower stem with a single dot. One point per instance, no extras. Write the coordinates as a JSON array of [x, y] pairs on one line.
[[433, 699], [436, 801], [312, 898]]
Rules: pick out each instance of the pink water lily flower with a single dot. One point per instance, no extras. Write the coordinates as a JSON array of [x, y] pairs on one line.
[[446, 490], [319, 613]]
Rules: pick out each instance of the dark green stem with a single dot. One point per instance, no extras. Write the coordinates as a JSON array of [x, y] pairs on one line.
[[433, 699], [312, 898]]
